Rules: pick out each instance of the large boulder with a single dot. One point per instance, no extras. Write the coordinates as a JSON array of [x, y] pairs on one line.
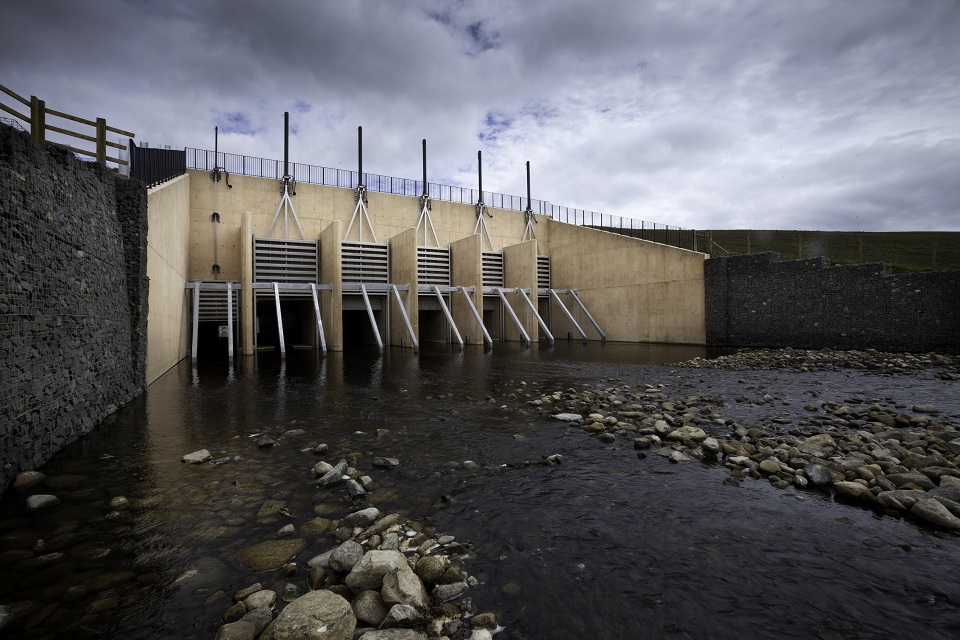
[[373, 566], [316, 615], [402, 586], [932, 511], [346, 556]]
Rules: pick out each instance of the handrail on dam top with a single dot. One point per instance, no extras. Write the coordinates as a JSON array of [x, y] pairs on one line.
[[348, 179], [37, 122]]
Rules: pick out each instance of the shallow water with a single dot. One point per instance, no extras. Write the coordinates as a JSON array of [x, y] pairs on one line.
[[605, 545]]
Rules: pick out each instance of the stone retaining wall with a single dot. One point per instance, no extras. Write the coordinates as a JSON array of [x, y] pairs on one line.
[[73, 298], [760, 301]]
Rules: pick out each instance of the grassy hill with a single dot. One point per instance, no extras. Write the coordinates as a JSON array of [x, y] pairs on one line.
[[903, 250]]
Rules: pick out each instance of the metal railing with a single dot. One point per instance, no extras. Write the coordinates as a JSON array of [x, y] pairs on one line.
[[153, 166], [37, 121], [346, 178]]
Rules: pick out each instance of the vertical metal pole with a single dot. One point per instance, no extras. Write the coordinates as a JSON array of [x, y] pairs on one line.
[[529, 201], [359, 156], [480, 176], [424, 166], [230, 319], [286, 143], [196, 319]]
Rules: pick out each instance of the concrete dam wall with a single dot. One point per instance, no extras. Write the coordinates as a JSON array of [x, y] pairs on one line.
[[73, 305], [760, 301]]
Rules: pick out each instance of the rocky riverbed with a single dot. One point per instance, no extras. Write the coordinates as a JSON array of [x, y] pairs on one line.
[[461, 510], [891, 455]]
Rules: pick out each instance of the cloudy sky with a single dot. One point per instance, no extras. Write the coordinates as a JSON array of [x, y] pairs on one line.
[[808, 114]]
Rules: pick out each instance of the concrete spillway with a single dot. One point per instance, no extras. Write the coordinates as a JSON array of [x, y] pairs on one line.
[[463, 287]]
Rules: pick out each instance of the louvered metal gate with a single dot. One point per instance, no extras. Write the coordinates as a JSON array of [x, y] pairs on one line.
[[492, 269], [365, 262], [433, 265]]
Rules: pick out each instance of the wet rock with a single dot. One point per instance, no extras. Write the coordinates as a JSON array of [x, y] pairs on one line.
[[430, 568], [568, 417], [234, 613], [382, 525], [687, 435], [265, 442], [925, 408], [196, 457], [316, 577], [346, 556], [271, 554], [932, 511], [448, 592], [317, 615], [820, 446], [270, 508], [403, 615], [373, 566], [402, 586], [916, 478], [486, 620], [240, 630], [262, 598], [334, 476], [851, 489], [710, 446], [259, 618], [362, 518], [386, 463], [818, 475], [369, 608], [246, 592], [769, 466], [27, 479], [41, 501], [355, 489]]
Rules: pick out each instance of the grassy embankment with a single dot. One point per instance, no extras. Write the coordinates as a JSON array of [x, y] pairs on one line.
[[903, 250]]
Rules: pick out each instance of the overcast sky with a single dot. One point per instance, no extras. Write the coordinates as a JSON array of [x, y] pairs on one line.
[[832, 115]]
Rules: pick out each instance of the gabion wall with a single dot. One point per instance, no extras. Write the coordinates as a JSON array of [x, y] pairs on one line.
[[760, 301], [73, 298]]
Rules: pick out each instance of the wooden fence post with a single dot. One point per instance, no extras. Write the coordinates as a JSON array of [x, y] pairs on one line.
[[101, 141], [38, 120]]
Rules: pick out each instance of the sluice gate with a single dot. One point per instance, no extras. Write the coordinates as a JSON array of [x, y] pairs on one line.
[[215, 313], [367, 287], [285, 293]]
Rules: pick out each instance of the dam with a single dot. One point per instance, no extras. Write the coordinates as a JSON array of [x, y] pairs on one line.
[[240, 264]]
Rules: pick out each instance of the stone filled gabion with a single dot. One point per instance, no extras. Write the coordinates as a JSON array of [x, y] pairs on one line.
[[73, 298]]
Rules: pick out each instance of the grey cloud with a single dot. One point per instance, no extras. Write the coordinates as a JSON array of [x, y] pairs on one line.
[[699, 113]]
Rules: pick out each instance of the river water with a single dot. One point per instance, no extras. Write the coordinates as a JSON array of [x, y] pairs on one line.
[[604, 545]]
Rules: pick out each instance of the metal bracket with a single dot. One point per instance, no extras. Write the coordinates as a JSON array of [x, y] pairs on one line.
[[361, 209], [373, 319], [481, 223], [506, 305], [426, 221], [476, 314]]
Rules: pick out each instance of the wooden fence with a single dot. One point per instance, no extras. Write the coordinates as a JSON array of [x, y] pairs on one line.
[[38, 128]]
